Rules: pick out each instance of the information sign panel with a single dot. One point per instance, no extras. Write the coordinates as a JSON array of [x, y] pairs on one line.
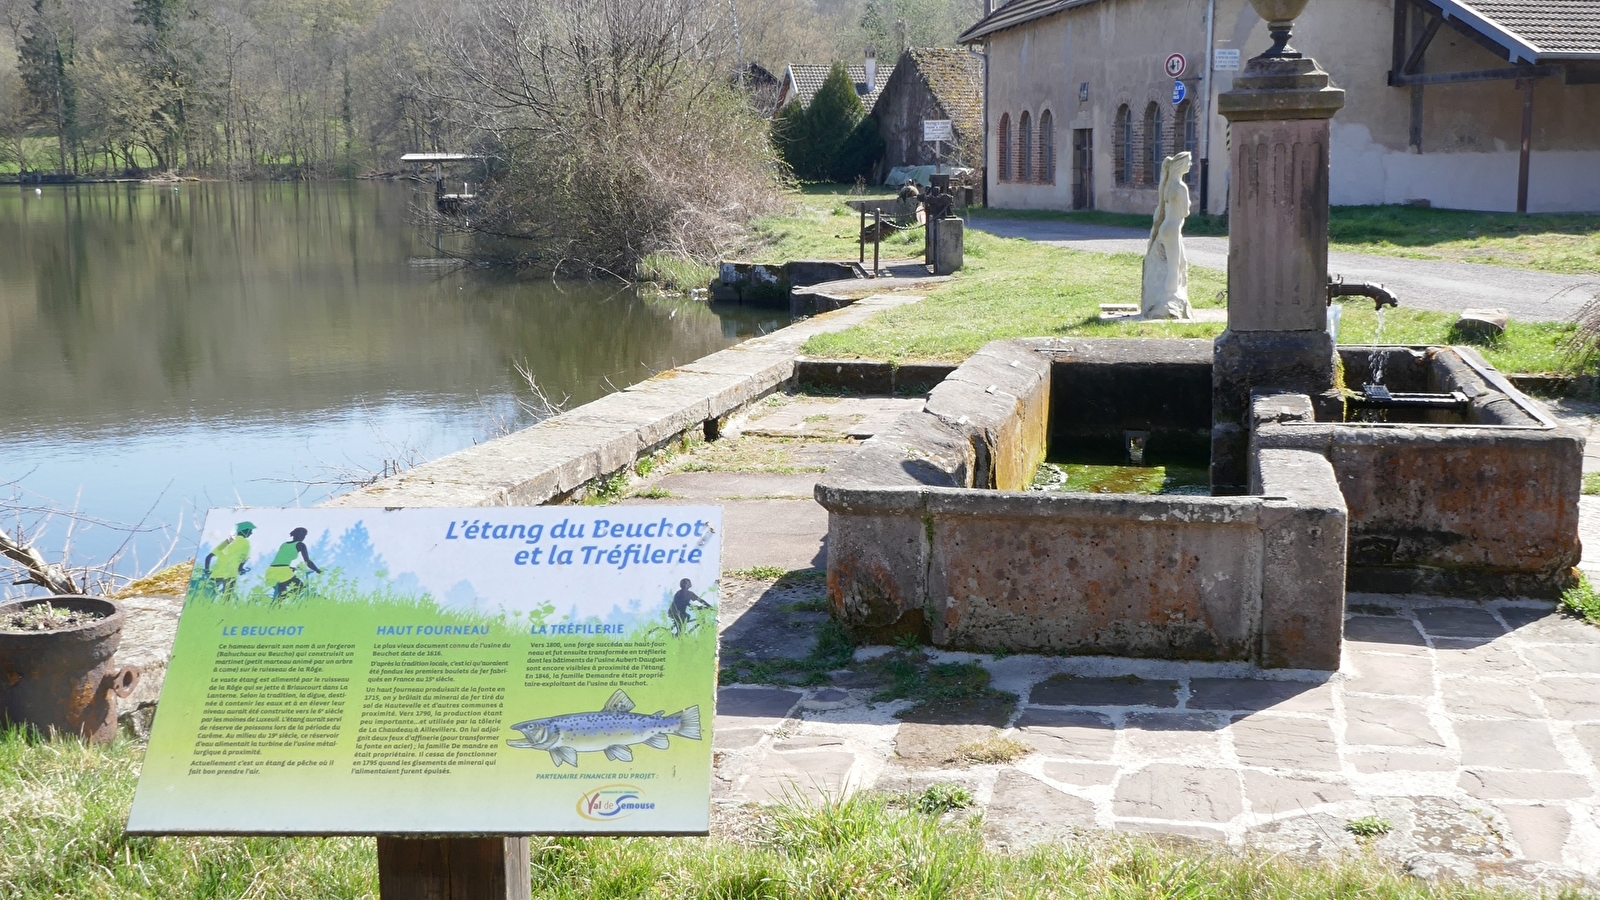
[[441, 671], [937, 130], [1226, 60], [1179, 92]]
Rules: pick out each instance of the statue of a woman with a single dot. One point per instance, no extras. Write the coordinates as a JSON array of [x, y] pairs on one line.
[[1165, 293]]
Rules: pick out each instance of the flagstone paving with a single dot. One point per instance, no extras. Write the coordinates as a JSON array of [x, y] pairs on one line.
[[1474, 730]]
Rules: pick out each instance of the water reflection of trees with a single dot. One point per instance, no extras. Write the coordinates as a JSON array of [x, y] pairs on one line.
[[122, 303]]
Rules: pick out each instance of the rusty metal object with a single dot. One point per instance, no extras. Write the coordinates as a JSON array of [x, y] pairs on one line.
[[63, 681], [1380, 295]]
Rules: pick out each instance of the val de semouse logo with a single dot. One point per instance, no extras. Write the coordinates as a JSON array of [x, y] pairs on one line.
[[614, 801]]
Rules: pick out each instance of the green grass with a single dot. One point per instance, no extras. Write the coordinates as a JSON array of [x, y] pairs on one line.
[[1368, 827], [936, 688], [62, 806], [1551, 242], [1195, 225], [62, 809], [760, 573], [1017, 288], [834, 650], [939, 798], [1591, 483], [1582, 601], [675, 273]]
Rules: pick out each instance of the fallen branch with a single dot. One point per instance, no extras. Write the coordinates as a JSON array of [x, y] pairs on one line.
[[38, 572]]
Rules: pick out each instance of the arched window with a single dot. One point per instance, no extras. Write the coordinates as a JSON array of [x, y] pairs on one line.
[[1003, 146], [1186, 138], [1152, 143], [1025, 148], [1122, 149], [1047, 148]]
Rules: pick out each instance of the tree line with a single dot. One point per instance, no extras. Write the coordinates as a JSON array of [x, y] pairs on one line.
[[321, 88], [242, 88]]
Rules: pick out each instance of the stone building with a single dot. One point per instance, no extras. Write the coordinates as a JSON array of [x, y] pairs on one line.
[[932, 83], [1468, 104], [801, 81]]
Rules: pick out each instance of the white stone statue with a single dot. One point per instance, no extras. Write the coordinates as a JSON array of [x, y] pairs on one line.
[[1165, 293]]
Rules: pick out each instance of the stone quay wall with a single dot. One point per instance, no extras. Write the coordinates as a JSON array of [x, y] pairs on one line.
[[555, 459]]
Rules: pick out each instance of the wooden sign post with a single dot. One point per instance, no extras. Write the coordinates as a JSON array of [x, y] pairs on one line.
[[450, 680], [454, 869]]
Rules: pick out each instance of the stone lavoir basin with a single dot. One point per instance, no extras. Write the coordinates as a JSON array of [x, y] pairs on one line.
[[934, 531]]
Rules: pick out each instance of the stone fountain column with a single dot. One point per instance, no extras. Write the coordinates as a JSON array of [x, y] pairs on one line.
[[1277, 339]]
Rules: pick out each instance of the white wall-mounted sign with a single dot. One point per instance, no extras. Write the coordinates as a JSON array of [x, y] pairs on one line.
[[937, 130], [1176, 64], [1226, 60]]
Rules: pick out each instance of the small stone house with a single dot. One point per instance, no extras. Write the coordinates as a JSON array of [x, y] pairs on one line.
[[801, 81], [1466, 104], [932, 83]]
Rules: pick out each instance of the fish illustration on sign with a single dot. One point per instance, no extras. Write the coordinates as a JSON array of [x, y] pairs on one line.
[[612, 729]]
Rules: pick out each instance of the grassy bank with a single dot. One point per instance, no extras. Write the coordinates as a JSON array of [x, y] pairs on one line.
[[62, 806], [1566, 243], [1017, 288], [1549, 242]]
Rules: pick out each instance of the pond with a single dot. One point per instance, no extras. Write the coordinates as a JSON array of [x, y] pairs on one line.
[[168, 349]]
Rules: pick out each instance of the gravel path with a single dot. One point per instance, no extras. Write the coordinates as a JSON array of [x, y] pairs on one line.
[[1419, 283]]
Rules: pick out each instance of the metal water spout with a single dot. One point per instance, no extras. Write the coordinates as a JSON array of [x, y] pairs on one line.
[[1381, 296]]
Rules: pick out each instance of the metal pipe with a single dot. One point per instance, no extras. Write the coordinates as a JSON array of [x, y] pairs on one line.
[[861, 237], [1527, 144], [877, 237], [1381, 296], [1206, 107]]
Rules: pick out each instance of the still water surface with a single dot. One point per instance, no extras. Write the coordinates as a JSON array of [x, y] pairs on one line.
[[165, 351]]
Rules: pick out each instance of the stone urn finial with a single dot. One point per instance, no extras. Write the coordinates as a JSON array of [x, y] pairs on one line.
[[1280, 16]]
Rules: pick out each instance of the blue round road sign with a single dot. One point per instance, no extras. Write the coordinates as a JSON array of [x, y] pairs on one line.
[[1179, 91]]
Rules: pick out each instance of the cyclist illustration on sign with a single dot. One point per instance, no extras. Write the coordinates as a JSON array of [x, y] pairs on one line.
[[226, 562], [283, 575], [681, 603]]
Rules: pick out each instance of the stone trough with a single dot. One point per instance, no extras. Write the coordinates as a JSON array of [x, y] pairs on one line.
[[933, 531]]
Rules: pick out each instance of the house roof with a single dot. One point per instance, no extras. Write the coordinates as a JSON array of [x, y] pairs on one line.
[[1014, 13], [1529, 30], [954, 77], [1533, 30], [803, 80]]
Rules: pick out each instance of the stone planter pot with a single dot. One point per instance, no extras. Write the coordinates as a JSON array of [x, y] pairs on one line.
[[63, 681], [1275, 11]]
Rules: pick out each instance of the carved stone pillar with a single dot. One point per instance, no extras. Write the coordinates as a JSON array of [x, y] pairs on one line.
[[1277, 338]]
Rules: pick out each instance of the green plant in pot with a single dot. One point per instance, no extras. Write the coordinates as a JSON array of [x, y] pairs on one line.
[[57, 665]]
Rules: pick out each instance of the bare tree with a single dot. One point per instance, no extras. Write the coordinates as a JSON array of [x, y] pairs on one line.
[[616, 128]]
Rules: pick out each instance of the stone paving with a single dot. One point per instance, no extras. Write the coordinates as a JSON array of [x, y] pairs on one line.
[[1473, 729]]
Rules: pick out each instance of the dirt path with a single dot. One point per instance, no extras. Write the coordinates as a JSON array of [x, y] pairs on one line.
[[1420, 284]]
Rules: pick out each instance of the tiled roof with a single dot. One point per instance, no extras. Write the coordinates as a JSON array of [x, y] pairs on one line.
[[1529, 30], [955, 78], [1534, 30], [808, 79], [1017, 12]]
